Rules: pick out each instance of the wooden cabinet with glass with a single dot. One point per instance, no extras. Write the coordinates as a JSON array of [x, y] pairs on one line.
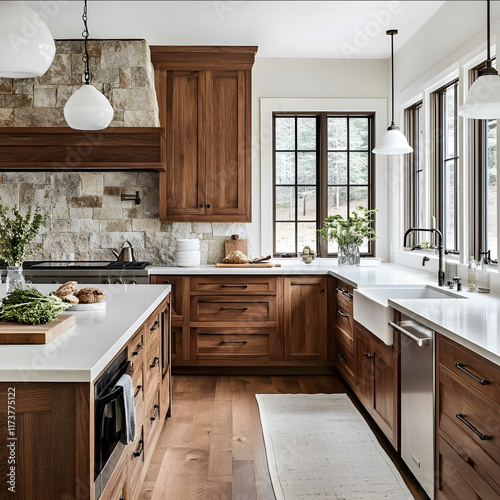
[[204, 97]]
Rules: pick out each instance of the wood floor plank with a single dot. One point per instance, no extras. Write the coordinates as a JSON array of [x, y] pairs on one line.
[[212, 447]]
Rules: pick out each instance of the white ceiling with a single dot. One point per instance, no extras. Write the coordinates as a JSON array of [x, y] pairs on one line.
[[324, 29]]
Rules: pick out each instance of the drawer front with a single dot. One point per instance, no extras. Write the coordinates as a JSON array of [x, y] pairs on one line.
[[344, 321], [344, 361], [230, 286], [233, 309], [177, 284], [344, 296], [138, 388], [346, 339], [152, 367], [471, 368], [153, 418], [231, 343], [463, 415], [116, 489], [136, 349], [459, 480], [152, 327], [136, 460]]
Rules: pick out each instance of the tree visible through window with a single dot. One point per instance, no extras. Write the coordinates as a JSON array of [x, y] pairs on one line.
[[322, 167]]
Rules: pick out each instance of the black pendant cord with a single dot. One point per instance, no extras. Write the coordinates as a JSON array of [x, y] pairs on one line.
[[85, 35], [392, 74], [488, 34]]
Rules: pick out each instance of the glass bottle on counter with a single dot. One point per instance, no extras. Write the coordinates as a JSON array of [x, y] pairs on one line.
[[472, 274], [483, 272]]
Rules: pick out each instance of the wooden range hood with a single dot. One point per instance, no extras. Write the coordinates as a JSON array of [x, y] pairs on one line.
[[62, 148]]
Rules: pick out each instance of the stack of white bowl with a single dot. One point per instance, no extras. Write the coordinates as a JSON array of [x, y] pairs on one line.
[[187, 253]]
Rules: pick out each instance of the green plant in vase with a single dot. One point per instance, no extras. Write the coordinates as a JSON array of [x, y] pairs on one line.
[[17, 235], [349, 233]]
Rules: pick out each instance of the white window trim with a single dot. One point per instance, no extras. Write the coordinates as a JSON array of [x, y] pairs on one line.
[[268, 106]]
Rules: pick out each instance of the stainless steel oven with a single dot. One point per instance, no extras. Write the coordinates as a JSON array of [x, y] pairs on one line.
[[110, 427]]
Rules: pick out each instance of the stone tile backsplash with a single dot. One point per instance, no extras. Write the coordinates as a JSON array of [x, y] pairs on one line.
[[88, 218]]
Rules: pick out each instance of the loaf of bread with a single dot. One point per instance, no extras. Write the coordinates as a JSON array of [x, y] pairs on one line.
[[67, 292], [90, 295], [236, 257]]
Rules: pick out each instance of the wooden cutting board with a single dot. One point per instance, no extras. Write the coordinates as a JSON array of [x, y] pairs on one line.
[[15, 333], [261, 264], [235, 244]]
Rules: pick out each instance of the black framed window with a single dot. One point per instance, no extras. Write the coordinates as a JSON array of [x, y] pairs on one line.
[[323, 166], [446, 165], [414, 170], [484, 143]]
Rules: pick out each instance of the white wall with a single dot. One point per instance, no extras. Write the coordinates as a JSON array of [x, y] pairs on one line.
[[446, 47], [314, 78]]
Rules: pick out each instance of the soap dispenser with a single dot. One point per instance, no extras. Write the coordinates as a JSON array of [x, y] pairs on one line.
[[483, 272], [472, 274]]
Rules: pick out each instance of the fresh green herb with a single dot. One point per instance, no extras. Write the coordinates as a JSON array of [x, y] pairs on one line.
[[353, 230], [31, 307], [17, 233], [425, 245]]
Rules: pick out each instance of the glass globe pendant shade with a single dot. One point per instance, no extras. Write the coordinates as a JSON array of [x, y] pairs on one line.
[[393, 143], [27, 47], [483, 99], [88, 109]]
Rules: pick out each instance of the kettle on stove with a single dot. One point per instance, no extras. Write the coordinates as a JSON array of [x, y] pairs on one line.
[[126, 254]]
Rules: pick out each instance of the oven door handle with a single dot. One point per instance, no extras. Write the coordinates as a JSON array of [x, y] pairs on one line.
[[115, 393]]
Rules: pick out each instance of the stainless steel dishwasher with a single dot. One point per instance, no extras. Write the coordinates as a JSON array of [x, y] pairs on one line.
[[417, 399]]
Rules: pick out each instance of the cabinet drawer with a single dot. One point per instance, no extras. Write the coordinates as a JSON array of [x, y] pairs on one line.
[[153, 419], [138, 388], [152, 367], [345, 361], [136, 460], [456, 402], [152, 327], [470, 368], [344, 321], [223, 343], [233, 309], [343, 294], [136, 349], [458, 479], [346, 339], [117, 489], [230, 286]]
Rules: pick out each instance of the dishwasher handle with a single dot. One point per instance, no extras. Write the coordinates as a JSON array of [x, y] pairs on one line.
[[420, 341]]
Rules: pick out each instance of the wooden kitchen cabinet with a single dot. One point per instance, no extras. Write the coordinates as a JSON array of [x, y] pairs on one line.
[[204, 97], [376, 380], [342, 312], [305, 318], [467, 424]]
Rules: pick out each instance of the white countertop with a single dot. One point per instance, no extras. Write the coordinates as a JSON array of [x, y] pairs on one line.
[[84, 350], [473, 323]]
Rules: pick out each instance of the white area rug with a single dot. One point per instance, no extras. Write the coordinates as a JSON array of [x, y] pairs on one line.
[[319, 446]]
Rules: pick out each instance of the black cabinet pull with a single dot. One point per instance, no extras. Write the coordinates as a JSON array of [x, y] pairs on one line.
[[344, 292], [343, 314], [208, 206], [155, 415], [482, 437], [233, 309], [461, 367], [138, 349], [137, 454], [156, 324], [342, 357], [201, 206], [155, 362], [368, 355], [233, 342], [166, 281], [233, 286], [139, 387]]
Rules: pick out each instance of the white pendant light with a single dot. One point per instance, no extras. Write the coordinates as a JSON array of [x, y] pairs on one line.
[[483, 99], [393, 141], [27, 48], [87, 108]]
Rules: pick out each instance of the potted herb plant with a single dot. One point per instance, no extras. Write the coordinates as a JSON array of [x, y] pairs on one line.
[[17, 235], [349, 233]]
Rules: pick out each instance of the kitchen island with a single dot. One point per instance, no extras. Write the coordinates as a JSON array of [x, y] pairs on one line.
[[49, 427]]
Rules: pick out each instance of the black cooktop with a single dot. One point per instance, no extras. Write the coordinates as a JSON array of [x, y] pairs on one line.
[[67, 264]]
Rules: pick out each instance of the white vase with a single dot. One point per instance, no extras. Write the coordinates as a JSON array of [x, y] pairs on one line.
[[348, 255]]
